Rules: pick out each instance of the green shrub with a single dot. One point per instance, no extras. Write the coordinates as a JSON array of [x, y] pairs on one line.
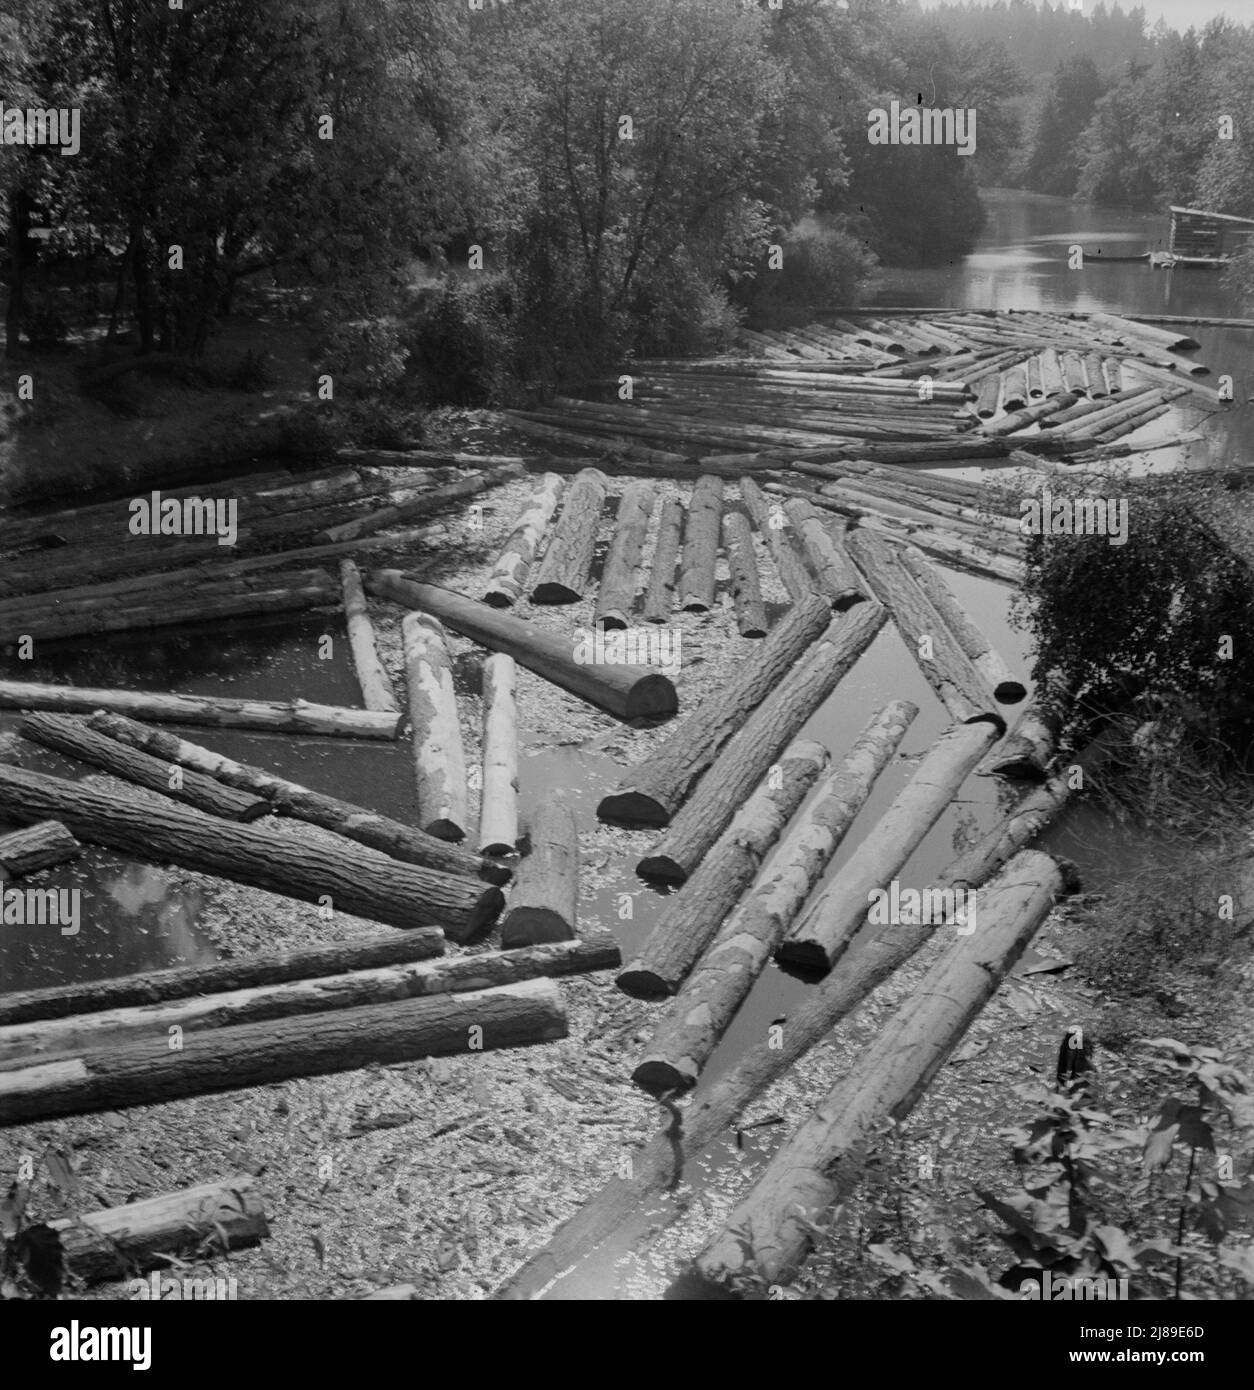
[[821, 265]]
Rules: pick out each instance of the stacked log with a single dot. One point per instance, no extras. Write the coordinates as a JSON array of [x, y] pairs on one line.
[[761, 738], [543, 904], [659, 598], [743, 568], [513, 565], [427, 503], [567, 564], [439, 756], [622, 563], [792, 572], [361, 882], [825, 549], [701, 535], [693, 1024], [250, 1054], [631, 692]]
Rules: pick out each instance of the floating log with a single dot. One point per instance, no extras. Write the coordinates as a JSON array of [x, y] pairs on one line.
[[1142, 328], [1051, 373], [690, 919], [659, 1166], [743, 567], [1160, 377], [659, 599], [509, 574], [1036, 389], [1073, 378], [1030, 415], [1029, 747], [357, 880], [252, 1054], [825, 550], [296, 717], [701, 533], [988, 396], [439, 757], [692, 1026], [73, 737], [630, 692], [433, 500], [25, 1043], [388, 836], [772, 1229], [1014, 388], [567, 563], [376, 685], [986, 659], [1095, 376], [622, 563], [652, 791], [498, 805], [37, 847], [947, 668], [823, 932], [117, 1242], [544, 900], [762, 737], [792, 571], [84, 997]]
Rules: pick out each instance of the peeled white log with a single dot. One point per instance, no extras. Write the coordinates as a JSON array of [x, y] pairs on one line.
[[439, 757]]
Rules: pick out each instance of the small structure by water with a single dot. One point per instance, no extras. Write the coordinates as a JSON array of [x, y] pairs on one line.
[[1206, 238]]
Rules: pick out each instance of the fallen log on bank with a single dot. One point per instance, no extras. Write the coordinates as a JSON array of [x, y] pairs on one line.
[[622, 563], [388, 836], [509, 575], [498, 801], [630, 692], [544, 901], [824, 547], [355, 880], [690, 919], [760, 739], [296, 717], [946, 667], [37, 847], [567, 564], [986, 659], [363, 952], [873, 958], [701, 534], [821, 935], [75, 738], [257, 1054], [743, 568], [659, 598], [651, 792], [376, 684], [694, 1023], [25, 1043], [439, 756], [119, 1241], [770, 1232]]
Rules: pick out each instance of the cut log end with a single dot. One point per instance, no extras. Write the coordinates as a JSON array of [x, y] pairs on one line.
[[444, 829], [534, 926], [806, 959], [612, 622], [653, 697], [632, 808], [486, 912], [642, 983], [661, 868], [554, 593], [1010, 692], [659, 1076], [496, 598]]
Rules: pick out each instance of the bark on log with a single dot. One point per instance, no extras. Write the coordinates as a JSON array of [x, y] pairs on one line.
[[439, 757], [116, 1242], [26, 1043], [824, 548], [630, 692], [659, 599], [1096, 378], [770, 1232], [823, 932], [691, 918], [986, 659], [1112, 375], [363, 952], [358, 881], [743, 567], [297, 717], [792, 572], [376, 685], [388, 836], [701, 534], [509, 575], [567, 564], [651, 792], [498, 805], [37, 847], [1073, 377], [544, 901], [1051, 373], [988, 396], [1014, 388], [257, 1054], [946, 667], [659, 1166], [75, 738], [748, 754], [693, 1024], [622, 564], [1028, 748], [431, 501]]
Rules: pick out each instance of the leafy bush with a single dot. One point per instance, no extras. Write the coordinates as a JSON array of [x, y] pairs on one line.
[[365, 356], [821, 265], [461, 340]]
